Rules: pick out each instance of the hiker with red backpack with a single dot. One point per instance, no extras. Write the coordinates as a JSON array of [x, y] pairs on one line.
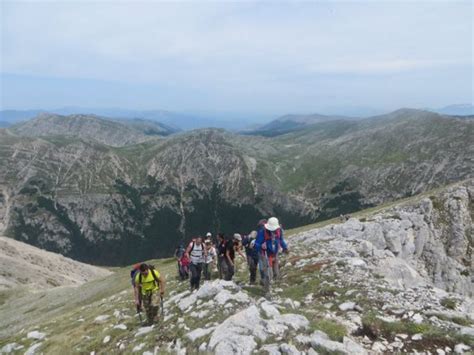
[[197, 254], [268, 244], [184, 263], [147, 281]]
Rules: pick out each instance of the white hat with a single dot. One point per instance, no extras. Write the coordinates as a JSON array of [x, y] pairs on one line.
[[272, 224], [208, 234], [237, 236]]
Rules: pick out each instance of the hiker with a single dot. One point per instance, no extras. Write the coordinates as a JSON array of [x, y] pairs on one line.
[[210, 259], [197, 254], [248, 242], [184, 267], [269, 241], [231, 246], [178, 253], [148, 282], [221, 257]]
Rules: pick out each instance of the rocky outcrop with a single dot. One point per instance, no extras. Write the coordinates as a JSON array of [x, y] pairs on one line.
[[428, 240]]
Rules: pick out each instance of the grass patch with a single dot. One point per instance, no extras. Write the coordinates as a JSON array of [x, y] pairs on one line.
[[433, 336], [449, 303], [375, 327], [333, 329]]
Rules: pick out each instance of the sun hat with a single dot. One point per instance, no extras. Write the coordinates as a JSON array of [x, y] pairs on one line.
[[237, 236], [272, 224]]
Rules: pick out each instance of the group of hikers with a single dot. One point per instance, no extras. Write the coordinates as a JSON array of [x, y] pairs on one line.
[[203, 256]]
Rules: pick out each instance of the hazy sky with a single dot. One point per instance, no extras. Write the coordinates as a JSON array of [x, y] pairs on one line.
[[266, 57]]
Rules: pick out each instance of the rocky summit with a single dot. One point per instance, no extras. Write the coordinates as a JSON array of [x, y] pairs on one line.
[[392, 279], [91, 199]]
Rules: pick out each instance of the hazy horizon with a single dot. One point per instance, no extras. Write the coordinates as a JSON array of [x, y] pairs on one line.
[[235, 60]]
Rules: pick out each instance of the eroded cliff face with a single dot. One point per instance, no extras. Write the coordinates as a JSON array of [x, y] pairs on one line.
[[109, 206]]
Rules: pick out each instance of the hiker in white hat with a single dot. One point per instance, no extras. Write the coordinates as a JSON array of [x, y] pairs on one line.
[[268, 243]]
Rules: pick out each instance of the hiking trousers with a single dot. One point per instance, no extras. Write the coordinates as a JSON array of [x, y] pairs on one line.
[[270, 269], [196, 270], [221, 266], [252, 264], [151, 303], [229, 270], [207, 270]]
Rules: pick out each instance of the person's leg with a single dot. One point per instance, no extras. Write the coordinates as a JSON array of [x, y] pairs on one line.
[[155, 304], [253, 269], [224, 269], [193, 269], [231, 270], [148, 305], [206, 270], [265, 269], [276, 268], [198, 275]]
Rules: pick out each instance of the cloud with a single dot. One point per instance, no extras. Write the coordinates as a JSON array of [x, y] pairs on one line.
[[227, 50]]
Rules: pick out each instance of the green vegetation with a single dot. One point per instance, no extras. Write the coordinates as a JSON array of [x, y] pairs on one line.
[[375, 328], [449, 303], [333, 329]]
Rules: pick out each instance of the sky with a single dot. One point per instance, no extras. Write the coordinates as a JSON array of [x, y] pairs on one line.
[[248, 58]]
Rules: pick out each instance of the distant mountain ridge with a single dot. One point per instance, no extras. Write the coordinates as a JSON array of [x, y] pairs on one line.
[[181, 121], [291, 123], [457, 110], [115, 133]]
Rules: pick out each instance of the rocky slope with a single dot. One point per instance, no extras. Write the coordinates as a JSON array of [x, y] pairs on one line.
[[24, 265], [366, 286], [90, 127], [98, 203]]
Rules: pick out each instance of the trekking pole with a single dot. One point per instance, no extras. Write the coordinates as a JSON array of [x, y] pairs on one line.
[[139, 313], [161, 306], [139, 307]]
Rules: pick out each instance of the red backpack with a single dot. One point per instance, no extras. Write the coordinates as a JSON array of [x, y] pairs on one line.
[[268, 234]]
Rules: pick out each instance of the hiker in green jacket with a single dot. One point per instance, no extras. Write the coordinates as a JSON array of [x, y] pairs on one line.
[[148, 283]]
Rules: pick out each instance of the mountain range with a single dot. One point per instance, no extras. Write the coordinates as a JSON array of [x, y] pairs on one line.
[[105, 196]]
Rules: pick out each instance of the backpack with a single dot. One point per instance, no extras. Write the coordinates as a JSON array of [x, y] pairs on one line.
[[268, 234]]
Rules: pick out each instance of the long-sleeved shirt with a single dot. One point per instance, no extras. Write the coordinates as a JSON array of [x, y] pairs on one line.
[[250, 249], [273, 243]]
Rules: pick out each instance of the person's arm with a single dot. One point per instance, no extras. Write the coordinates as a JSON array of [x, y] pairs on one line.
[[162, 285], [239, 250], [136, 290], [259, 240], [188, 250], [227, 254], [283, 242]]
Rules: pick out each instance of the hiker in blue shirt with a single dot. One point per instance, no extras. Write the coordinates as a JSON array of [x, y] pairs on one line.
[[268, 244]]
